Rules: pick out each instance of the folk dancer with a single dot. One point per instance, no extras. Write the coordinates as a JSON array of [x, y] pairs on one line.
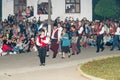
[[54, 41], [42, 42], [100, 35]]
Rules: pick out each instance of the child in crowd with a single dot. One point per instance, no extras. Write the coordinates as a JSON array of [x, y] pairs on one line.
[[91, 41], [65, 43]]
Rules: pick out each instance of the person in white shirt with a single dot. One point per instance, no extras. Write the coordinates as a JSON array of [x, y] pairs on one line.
[[116, 36], [100, 35], [59, 27], [80, 33]]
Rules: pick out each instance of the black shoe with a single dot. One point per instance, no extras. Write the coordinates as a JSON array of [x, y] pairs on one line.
[[97, 51], [102, 49], [69, 56], [54, 57], [47, 55], [73, 53], [78, 52], [111, 49], [43, 64], [119, 49], [63, 57]]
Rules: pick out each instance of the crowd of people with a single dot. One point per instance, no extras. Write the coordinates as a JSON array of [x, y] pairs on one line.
[[66, 37], [21, 14]]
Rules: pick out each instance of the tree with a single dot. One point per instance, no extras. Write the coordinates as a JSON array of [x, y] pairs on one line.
[[107, 9]]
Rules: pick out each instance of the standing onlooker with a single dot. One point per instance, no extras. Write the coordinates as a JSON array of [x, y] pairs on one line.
[[80, 33], [59, 27], [73, 35], [56, 21]]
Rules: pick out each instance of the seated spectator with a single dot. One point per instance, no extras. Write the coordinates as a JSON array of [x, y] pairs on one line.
[[24, 14], [1, 51], [32, 45], [91, 41], [108, 40], [6, 47]]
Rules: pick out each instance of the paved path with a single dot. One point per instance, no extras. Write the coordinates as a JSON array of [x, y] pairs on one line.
[[26, 66]]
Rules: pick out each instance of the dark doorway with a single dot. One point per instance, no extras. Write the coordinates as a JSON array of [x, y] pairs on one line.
[[0, 10]]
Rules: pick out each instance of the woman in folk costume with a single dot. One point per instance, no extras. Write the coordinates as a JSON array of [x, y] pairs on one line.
[[54, 41], [65, 43], [42, 42], [100, 35]]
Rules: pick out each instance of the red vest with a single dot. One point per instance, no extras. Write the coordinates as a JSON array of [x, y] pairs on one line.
[[6, 48], [43, 44], [98, 30]]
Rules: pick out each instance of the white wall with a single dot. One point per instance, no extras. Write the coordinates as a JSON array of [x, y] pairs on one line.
[[7, 8], [30, 2], [58, 9]]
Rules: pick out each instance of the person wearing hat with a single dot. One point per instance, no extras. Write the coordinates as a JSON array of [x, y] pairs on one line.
[[42, 42]]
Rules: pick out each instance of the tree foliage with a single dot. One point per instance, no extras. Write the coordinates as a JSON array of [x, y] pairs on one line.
[[107, 9]]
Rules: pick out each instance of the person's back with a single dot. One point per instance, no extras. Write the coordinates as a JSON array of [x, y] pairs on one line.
[[6, 47]]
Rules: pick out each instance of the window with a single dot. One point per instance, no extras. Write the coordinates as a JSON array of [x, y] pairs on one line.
[[42, 8], [19, 5], [0, 10], [72, 6]]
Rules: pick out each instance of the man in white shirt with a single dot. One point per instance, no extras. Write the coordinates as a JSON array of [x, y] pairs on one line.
[[59, 27], [116, 37], [80, 33], [100, 35]]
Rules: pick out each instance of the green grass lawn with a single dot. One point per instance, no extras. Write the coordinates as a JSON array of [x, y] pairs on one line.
[[108, 69]]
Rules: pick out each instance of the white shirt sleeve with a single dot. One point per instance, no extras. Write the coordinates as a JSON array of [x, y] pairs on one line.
[[37, 42], [59, 33], [117, 31], [102, 31], [40, 26], [80, 30]]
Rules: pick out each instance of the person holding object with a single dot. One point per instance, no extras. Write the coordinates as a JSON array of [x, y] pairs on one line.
[[42, 42]]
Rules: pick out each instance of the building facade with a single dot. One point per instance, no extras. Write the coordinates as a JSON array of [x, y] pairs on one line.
[[59, 8]]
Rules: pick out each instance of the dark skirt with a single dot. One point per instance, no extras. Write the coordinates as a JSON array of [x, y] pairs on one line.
[[54, 46], [65, 49]]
